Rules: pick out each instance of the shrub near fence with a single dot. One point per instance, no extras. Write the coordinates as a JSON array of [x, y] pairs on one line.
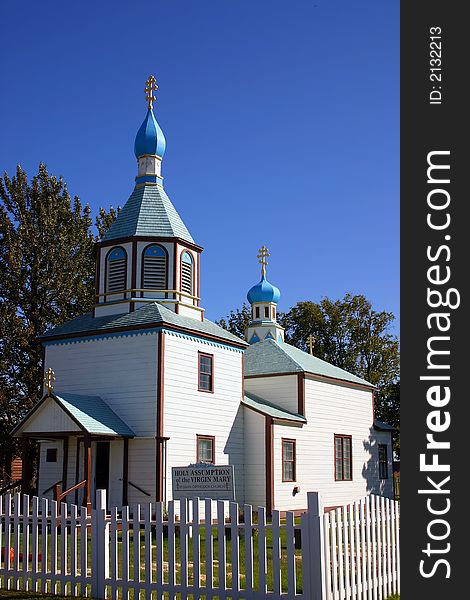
[[348, 553]]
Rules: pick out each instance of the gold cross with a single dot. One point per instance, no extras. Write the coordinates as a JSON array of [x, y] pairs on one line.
[[311, 343], [263, 255], [150, 87], [49, 377]]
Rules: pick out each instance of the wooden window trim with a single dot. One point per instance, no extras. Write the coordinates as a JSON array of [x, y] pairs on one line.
[[193, 278], [142, 264], [106, 273], [383, 462], [210, 438], [207, 355], [294, 461], [342, 437]]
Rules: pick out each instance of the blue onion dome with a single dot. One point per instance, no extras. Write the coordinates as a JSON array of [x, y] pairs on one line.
[[149, 138], [263, 292]]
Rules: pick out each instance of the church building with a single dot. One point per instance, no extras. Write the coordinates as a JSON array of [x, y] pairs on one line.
[[145, 382]]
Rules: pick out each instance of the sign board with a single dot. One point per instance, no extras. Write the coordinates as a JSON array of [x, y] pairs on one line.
[[204, 481]]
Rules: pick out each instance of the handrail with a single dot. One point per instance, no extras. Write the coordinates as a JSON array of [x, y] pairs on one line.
[[11, 485], [59, 496], [138, 488]]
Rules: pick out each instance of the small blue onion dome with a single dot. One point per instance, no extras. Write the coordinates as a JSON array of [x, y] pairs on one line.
[[149, 138], [263, 292]]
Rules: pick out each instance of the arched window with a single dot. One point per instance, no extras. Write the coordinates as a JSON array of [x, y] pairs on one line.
[[116, 263], [154, 268], [187, 273]]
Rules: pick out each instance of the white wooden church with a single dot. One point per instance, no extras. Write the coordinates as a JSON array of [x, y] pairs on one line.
[[145, 382]]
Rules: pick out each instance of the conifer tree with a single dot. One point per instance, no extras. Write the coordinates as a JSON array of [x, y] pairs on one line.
[[46, 278]]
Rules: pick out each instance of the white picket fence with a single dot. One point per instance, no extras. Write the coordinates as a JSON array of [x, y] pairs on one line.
[[350, 553], [361, 547]]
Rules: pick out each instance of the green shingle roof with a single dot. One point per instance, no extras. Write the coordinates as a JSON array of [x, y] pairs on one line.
[[269, 357], [93, 414], [148, 212], [152, 314], [90, 413], [270, 409]]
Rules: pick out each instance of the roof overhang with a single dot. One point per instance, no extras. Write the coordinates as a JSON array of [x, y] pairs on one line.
[[277, 413], [71, 414]]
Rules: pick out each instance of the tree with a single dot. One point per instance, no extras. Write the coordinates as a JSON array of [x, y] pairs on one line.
[[46, 277], [237, 321], [350, 334], [104, 220]]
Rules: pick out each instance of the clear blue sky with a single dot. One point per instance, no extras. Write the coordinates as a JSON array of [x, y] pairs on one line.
[[281, 120]]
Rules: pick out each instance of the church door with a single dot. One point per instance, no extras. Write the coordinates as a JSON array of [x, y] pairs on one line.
[[102, 466]]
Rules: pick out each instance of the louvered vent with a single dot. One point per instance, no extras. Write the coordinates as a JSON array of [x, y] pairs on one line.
[[155, 272], [116, 280], [187, 277]]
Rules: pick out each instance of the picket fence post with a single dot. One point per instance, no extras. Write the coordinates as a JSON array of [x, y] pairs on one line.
[[99, 547], [316, 571]]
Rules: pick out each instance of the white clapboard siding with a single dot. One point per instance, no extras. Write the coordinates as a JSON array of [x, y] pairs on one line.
[[315, 448], [120, 369], [279, 390], [128, 556], [255, 458], [50, 417], [189, 412]]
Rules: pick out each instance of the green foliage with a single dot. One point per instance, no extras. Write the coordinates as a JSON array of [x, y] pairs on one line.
[[46, 277], [237, 321], [104, 220]]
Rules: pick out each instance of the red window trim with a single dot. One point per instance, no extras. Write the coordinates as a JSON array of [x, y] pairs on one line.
[[342, 436], [295, 459], [142, 260], [106, 293], [200, 389], [193, 273], [205, 437]]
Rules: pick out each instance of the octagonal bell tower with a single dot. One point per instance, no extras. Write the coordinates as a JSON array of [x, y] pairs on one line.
[[148, 254]]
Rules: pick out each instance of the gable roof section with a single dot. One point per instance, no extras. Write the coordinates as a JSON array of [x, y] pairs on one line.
[[90, 413], [269, 357], [148, 212], [382, 426], [269, 409], [148, 316]]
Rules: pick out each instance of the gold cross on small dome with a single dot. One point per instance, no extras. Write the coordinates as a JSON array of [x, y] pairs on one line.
[[150, 87], [49, 378], [263, 255], [311, 343]]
